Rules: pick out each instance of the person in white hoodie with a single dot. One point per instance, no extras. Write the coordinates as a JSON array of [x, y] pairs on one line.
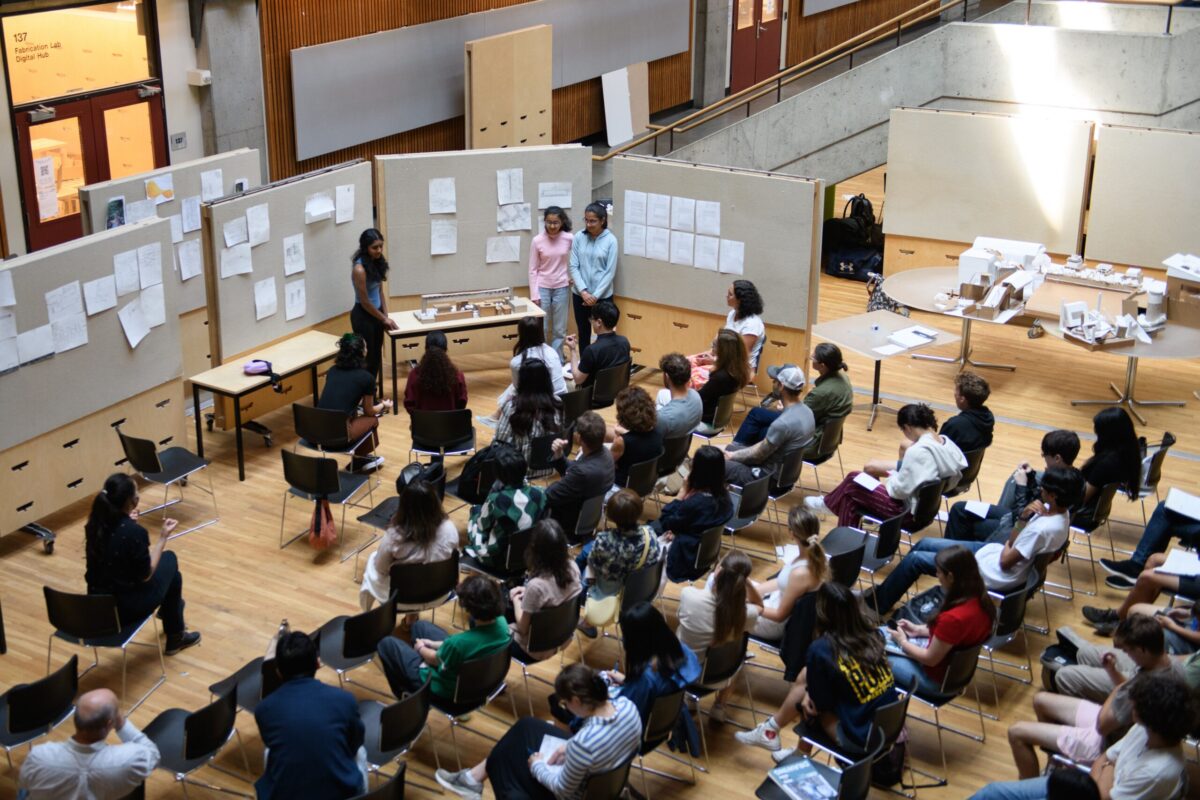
[[889, 488]]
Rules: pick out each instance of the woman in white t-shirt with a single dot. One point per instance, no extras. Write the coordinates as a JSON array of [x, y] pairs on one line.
[[802, 574], [531, 345], [744, 318]]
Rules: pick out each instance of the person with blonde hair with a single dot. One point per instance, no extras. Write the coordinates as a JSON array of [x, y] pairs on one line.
[[804, 573]]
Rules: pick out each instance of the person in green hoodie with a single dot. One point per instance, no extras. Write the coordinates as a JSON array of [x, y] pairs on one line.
[[832, 396]]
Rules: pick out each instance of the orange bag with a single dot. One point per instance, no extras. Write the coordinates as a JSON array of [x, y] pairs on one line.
[[321, 532]]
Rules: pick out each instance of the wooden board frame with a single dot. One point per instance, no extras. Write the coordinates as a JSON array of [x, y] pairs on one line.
[[508, 97]]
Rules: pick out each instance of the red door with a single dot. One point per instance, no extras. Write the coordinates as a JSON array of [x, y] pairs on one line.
[[757, 39]]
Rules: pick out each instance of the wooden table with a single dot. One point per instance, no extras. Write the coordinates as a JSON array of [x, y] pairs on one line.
[[860, 335], [916, 288], [409, 327], [287, 358]]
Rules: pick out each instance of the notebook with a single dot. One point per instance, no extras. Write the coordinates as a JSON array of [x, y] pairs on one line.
[[801, 781]]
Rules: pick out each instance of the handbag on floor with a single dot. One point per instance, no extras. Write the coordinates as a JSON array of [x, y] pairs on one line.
[[322, 532]]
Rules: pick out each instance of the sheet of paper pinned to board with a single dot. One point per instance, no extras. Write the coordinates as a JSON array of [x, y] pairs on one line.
[[191, 263], [502, 249], [149, 258], [658, 243], [634, 239], [8, 295], [295, 304], [514, 217], [236, 260], [35, 343], [140, 210], [443, 237], [708, 250], [344, 196], [125, 268], [635, 207], [510, 186], [708, 217], [258, 224], [318, 207], [683, 214], [8, 324], [100, 294], [682, 246], [658, 210], [133, 322], [68, 323], [293, 254], [10, 359], [733, 256], [442, 198], [176, 228], [154, 306], [266, 298], [555, 193], [191, 213], [160, 188], [236, 231], [212, 185]]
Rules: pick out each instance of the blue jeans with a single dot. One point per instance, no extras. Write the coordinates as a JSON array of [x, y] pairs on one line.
[[1028, 789], [918, 562], [754, 428], [1163, 525], [904, 669], [554, 303]]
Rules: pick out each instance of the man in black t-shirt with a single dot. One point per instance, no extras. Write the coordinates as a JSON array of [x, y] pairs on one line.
[[607, 349]]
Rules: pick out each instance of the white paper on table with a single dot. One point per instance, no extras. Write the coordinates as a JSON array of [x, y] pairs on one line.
[[149, 258], [293, 254], [176, 228], [236, 260], [8, 296], [555, 193], [69, 332], [236, 231], [888, 349], [160, 188], [635, 239], [317, 207], [443, 237], [212, 185], [139, 210], [133, 322], [266, 299], [635, 207], [978, 508], [912, 337], [708, 217], [514, 217], [683, 214], [64, 301], [125, 267], [510, 186], [10, 359], [258, 224], [191, 263], [154, 306], [8, 324], [658, 243], [294, 302], [866, 481], [442, 198], [191, 213], [708, 250], [502, 249], [1184, 503], [658, 210], [35, 343], [344, 196], [733, 256], [681, 248]]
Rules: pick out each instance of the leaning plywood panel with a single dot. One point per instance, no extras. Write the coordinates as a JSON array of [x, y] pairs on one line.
[[508, 95]]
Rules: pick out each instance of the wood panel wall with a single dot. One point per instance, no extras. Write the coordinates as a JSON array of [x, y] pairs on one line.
[[808, 36], [288, 24]]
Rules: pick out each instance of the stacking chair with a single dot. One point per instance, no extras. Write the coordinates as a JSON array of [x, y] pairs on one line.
[[708, 552], [798, 634], [748, 506], [881, 545], [608, 785], [608, 383], [721, 418], [658, 728], [392, 731], [392, 790], [513, 566], [852, 782], [172, 466], [541, 455], [970, 475], [442, 433], [641, 585], [960, 673], [831, 443], [929, 500], [846, 549], [887, 723], [188, 740], [1041, 567], [479, 681], [347, 643], [420, 587], [31, 710], [783, 482], [323, 430], [91, 620], [721, 664], [551, 628], [309, 478], [575, 403], [253, 683], [675, 450], [1152, 466], [642, 477], [468, 492], [1100, 518], [1010, 623], [590, 513]]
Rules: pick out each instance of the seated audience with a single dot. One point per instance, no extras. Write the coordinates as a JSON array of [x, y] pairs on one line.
[[832, 395], [85, 765], [1180, 624], [656, 662], [846, 678], [926, 456], [679, 406], [1004, 566], [744, 318], [971, 428], [311, 732], [551, 579], [1138, 646], [513, 505], [418, 533], [436, 657], [703, 503], [1146, 764], [435, 384], [759, 449], [589, 475], [803, 574], [1116, 458], [349, 387], [1164, 525], [530, 347], [609, 734], [608, 349], [531, 412], [730, 372], [621, 550], [635, 438], [1071, 784]]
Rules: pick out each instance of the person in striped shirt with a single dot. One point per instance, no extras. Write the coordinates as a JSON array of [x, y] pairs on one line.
[[610, 735]]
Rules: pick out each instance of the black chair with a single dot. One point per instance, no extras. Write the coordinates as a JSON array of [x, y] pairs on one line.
[[473, 491], [641, 585], [588, 520], [392, 730], [253, 682], [882, 544], [347, 643], [845, 549], [575, 403], [323, 430], [188, 740], [309, 478], [960, 673], [442, 433], [1010, 623], [660, 723], [929, 501], [792, 648], [785, 479], [1152, 465], [608, 785], [3, 640], [642, 477], [91, 620], [831, 441], [421, 587], [675, 450], [513, 566], [853, 782], [172, 466], [748, 506], [720, 665], [392, 790], [708, 552], [969, 476], [1100, 516], [550, 629], [1041, 568], [541, 455], [479, 681], [31, 710], [608, 383], [721, 418]]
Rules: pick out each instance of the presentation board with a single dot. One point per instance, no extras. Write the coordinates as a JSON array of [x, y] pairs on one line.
[[91, 363], [955, 175], [176, 191], [465, 190], [1145, 196], [277, 258], [764, 227]]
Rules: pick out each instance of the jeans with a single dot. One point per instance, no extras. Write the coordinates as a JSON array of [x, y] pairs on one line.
[[754, 428], [1028, 789], [554, 303], [163, 591], [1163, 525], [918, 562], [904, 669], [401, 663], [583, 317]]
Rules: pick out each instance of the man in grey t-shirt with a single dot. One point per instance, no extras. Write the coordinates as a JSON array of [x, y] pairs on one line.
[[791, 431], [684, 408]]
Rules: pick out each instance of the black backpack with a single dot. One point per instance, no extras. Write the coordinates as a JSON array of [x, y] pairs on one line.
[[861, 211]]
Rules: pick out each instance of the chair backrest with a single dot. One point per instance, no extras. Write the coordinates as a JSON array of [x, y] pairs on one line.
[[270, 679], [889, 534], [845, 548], [1152, 464], [929, 500], [552, 627], [642, 476], [890, 718], [1104, 501], [789, 472], [311, 474], [798, 633], [415, 584], [608, 785], [831, 436], [33, 706], [589, 517], [1042, 562], [575, 403], [970, 472], [363, 632], [753, 498], [960, 669], [709, 549], [608, 384], [206, 731], [724, 412], [661, 720], [722, 661], [479, 677], [642, 585], [434, 430], [514, 551], [855, 783], [401, 722], [323, 427], [392, 790], [541, 452], [675, 450], [84, 616], [141, 453], [1010, 608]]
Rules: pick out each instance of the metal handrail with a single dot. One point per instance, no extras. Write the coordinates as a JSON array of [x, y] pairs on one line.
[[857, 43]]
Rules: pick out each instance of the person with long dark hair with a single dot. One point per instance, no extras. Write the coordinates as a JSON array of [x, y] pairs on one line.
[[419, 532], [656, 662], [435, 384], [549, 285], [745, 318], [532, 411], [511, 506], [1116, 458], [122, 562], [531, 347], [369, 316], [730, 371], [349, 387], [551, 579], [593, 268], [703, 503]]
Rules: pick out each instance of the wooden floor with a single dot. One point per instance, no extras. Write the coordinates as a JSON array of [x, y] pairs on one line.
[[238, 584]]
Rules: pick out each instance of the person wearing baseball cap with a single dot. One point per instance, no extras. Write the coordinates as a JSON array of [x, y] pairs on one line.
[[766, 438]]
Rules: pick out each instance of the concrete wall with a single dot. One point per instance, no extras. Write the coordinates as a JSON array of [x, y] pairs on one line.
[[230, 46]]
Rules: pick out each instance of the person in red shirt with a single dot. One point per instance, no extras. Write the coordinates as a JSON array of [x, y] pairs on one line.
[[435, 384], [964, 619]]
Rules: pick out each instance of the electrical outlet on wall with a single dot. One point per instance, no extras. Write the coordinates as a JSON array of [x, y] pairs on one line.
[[178, 140]]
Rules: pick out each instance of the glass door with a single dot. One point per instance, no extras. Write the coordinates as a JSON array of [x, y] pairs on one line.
[[129, 133], [57, 156]]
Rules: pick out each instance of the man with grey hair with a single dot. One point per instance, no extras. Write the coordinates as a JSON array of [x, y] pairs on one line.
[[85, 767]]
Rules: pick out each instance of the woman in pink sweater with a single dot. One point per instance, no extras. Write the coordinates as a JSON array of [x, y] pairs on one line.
[[549, 254]]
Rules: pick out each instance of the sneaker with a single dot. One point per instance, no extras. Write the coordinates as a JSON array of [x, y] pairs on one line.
[[367, 464], [461, 783], [587, 630], [765, 736], [1106, 628], [182, 641], [717, 713], [1119, 582], [816, 504], [489, 422], [1127, 568], [779, 756], [1100, 616]]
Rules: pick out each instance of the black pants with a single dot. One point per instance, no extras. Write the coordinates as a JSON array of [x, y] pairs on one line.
[[163, 591], [508, 763], [371, 330], [583, 316]]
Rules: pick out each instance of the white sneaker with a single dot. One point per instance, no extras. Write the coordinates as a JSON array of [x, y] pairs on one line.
[[461, 783], [369, 465], [765, 736], [816, 504], [782, 755]]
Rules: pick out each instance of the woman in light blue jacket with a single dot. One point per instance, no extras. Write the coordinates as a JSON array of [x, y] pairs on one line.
[[593, 268]]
